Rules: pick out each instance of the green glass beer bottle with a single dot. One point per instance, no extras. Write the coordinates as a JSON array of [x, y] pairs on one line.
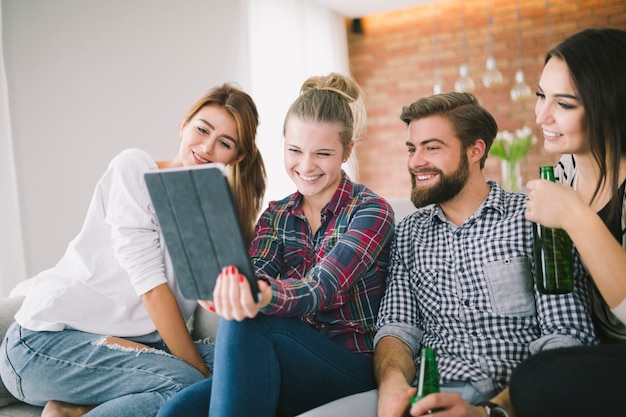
[[553, 253], [428, 381]]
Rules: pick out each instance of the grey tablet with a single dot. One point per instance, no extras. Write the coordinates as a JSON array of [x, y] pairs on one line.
[[196, 213]]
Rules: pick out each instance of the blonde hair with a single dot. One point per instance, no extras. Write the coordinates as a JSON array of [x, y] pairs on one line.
[[333, 98]]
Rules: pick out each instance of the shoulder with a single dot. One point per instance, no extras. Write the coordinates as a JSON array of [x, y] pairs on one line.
[[363, 203], [284, 203], [362, 194], [507, 203], [420, 219], [279, 209], [132, 159], [127, 169]]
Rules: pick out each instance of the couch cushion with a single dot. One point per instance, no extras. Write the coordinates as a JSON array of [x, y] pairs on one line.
[[8, 308], [204, 324], [20, 410]]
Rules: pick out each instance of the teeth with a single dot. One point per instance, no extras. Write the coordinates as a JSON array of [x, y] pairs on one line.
[[307, 178], [550, 134], [423, 177], [206, 161]]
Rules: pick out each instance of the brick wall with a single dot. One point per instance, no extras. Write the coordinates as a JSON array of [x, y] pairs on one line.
[[395, 57]]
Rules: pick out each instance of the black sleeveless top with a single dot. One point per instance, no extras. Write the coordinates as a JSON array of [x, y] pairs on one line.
[[608, 328]]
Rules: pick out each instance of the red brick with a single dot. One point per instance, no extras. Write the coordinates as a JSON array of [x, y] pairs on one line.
[[396, 58]]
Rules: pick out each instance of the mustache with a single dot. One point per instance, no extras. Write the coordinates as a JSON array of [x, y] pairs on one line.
[[425, 170]]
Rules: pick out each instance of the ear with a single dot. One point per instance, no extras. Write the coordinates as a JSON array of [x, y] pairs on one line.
[[348, 151], [183, 125], [476, 151]]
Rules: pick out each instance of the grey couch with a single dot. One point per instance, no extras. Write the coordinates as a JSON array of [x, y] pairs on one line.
[[204, 324]]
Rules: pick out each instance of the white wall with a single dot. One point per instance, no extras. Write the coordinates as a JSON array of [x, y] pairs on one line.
[[289, 42], [12, 264], [88, 78]]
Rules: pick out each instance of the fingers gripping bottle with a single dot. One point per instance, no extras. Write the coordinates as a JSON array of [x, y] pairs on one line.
[[553, 253]]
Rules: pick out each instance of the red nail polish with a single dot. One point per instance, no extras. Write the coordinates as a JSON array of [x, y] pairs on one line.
[[241, 278], [212, 309], [231, 269]]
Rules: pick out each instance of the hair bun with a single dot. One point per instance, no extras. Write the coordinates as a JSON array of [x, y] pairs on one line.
[[334, 82]]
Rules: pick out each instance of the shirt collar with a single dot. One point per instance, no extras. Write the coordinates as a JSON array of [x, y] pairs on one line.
[[341, 197], [496, 200]]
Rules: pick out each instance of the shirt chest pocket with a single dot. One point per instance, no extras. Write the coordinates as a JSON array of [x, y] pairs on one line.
[[510, 284], [296, 262]]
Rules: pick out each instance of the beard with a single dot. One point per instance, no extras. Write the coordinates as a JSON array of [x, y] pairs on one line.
[[446, 189]]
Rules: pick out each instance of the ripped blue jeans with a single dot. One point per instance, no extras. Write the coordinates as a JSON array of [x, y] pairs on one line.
[[85, 368]]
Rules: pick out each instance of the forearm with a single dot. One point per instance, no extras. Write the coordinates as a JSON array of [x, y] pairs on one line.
[[603, 255], [394, 369], [393, 361], [165, 312]]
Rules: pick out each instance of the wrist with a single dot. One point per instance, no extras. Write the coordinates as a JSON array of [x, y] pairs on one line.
[[578, 214], [493, 409], [481, 411]]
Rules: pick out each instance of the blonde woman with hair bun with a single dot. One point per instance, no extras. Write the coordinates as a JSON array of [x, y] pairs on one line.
[[321, 257]]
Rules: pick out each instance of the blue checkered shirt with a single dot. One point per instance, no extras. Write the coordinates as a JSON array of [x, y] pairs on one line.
[[468, 292]]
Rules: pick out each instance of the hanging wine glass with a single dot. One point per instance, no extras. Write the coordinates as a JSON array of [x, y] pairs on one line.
[[491, 77], [520, 91], [464, 83]]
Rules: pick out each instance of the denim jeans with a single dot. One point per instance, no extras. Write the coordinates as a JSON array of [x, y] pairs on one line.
[[81, 368], [270, 366]]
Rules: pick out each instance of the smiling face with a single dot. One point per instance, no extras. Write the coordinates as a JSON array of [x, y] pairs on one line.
[[559, 111], [439, 168], [210, 136], [313, 157]]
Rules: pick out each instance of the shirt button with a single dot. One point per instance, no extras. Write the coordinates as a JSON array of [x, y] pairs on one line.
[[467, 303]]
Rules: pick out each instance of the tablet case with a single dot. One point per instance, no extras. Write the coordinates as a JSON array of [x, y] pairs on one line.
[[196, 212]]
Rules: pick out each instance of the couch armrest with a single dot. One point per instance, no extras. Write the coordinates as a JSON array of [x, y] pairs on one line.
[[8, 308]]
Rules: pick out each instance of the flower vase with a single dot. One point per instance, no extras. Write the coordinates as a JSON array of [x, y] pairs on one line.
[[511, 176]]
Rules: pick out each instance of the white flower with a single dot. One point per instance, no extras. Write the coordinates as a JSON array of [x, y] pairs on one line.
[[523, 132], [506, 136], [513, 147]]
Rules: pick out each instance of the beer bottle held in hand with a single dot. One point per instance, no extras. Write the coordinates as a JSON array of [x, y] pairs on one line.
[[428, 381], [553, 253]]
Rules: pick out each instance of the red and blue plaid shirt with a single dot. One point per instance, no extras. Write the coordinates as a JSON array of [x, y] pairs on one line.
[[333, 280]]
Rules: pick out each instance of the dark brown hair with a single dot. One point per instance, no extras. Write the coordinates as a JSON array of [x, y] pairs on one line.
[[469, 120]]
